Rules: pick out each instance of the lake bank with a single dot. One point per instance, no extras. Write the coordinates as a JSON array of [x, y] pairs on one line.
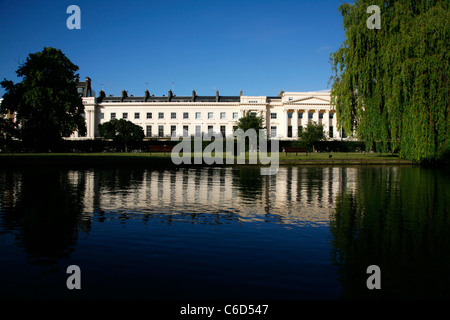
[[161, 159]]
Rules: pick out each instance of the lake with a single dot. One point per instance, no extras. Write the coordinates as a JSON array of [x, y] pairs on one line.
[[307, 233]]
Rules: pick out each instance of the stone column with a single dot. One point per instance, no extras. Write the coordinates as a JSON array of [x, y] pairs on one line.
[[92, 124], [295, 124], [335, 127], [88, 123], [284, 124], [327, 122]]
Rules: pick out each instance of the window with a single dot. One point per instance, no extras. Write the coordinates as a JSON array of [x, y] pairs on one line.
[[235, 128], [223, 131], [290, 99], [185, 131], [310, 115], [331, 132], [173, 130], [161, 115], [210, 130], [125, 115], [289, 134], [80, 90], [320, 115], [300, 129], [273, 132], [222, 115], [149, 115], [273, 116], [102, 115], [161, 131], [210, 115], [253, 114], [300, 115], [137, 115], [173, 115], [235, 115], [185, 115], [149, 131], [198, 131], [198, 115], [331, 115], [289, 115], [253, 101], [113, 115]]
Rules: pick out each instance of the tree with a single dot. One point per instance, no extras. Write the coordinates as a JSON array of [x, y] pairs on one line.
[[121, 131], [250, 121], [46, 103], [311, 134], [391, 85], [8, 132]]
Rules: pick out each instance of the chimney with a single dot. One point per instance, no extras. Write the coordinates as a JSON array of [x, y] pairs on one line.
[[146, 95], [193, 95], [124, 95], [101, 95], [170, 95]]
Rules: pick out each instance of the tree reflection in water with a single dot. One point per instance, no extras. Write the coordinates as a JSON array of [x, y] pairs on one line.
[[398, 219], [43, 209]]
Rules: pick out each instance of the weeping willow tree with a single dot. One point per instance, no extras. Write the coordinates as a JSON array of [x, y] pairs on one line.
[[390, 86]]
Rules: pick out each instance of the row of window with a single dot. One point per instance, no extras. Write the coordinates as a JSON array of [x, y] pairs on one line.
[[173, 129], [198, 115], [198, 130], [300, 115], [300, 128], [173, 115]]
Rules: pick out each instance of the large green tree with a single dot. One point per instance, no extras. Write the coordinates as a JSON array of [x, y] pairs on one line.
[[311, 134], [122, 132], [46, 103], [390, 86], [8, 132], [250, 121]]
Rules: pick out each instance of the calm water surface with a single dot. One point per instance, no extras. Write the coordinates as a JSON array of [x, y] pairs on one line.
[[212, 233]]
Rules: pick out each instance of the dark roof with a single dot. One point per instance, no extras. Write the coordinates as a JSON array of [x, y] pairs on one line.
[[85, 86], [172, 99]]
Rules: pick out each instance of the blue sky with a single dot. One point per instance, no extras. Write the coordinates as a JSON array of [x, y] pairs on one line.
[[260, 47]]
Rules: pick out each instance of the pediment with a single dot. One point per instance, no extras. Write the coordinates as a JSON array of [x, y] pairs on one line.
[[310, 100]]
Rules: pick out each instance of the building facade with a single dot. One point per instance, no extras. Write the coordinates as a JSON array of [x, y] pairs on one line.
[[161, 116]]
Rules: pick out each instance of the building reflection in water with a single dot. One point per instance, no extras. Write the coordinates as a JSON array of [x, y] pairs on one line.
[[295, 195]]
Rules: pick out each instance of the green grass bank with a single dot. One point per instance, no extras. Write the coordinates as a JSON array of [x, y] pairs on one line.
[[164, 159]]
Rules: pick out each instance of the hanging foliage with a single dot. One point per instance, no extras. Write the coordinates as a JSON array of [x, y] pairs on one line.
[[390, 86]]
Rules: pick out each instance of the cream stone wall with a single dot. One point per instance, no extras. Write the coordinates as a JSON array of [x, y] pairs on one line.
[[283, 115]]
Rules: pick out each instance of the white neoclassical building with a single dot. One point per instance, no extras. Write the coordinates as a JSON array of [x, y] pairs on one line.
[[284, 115]]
